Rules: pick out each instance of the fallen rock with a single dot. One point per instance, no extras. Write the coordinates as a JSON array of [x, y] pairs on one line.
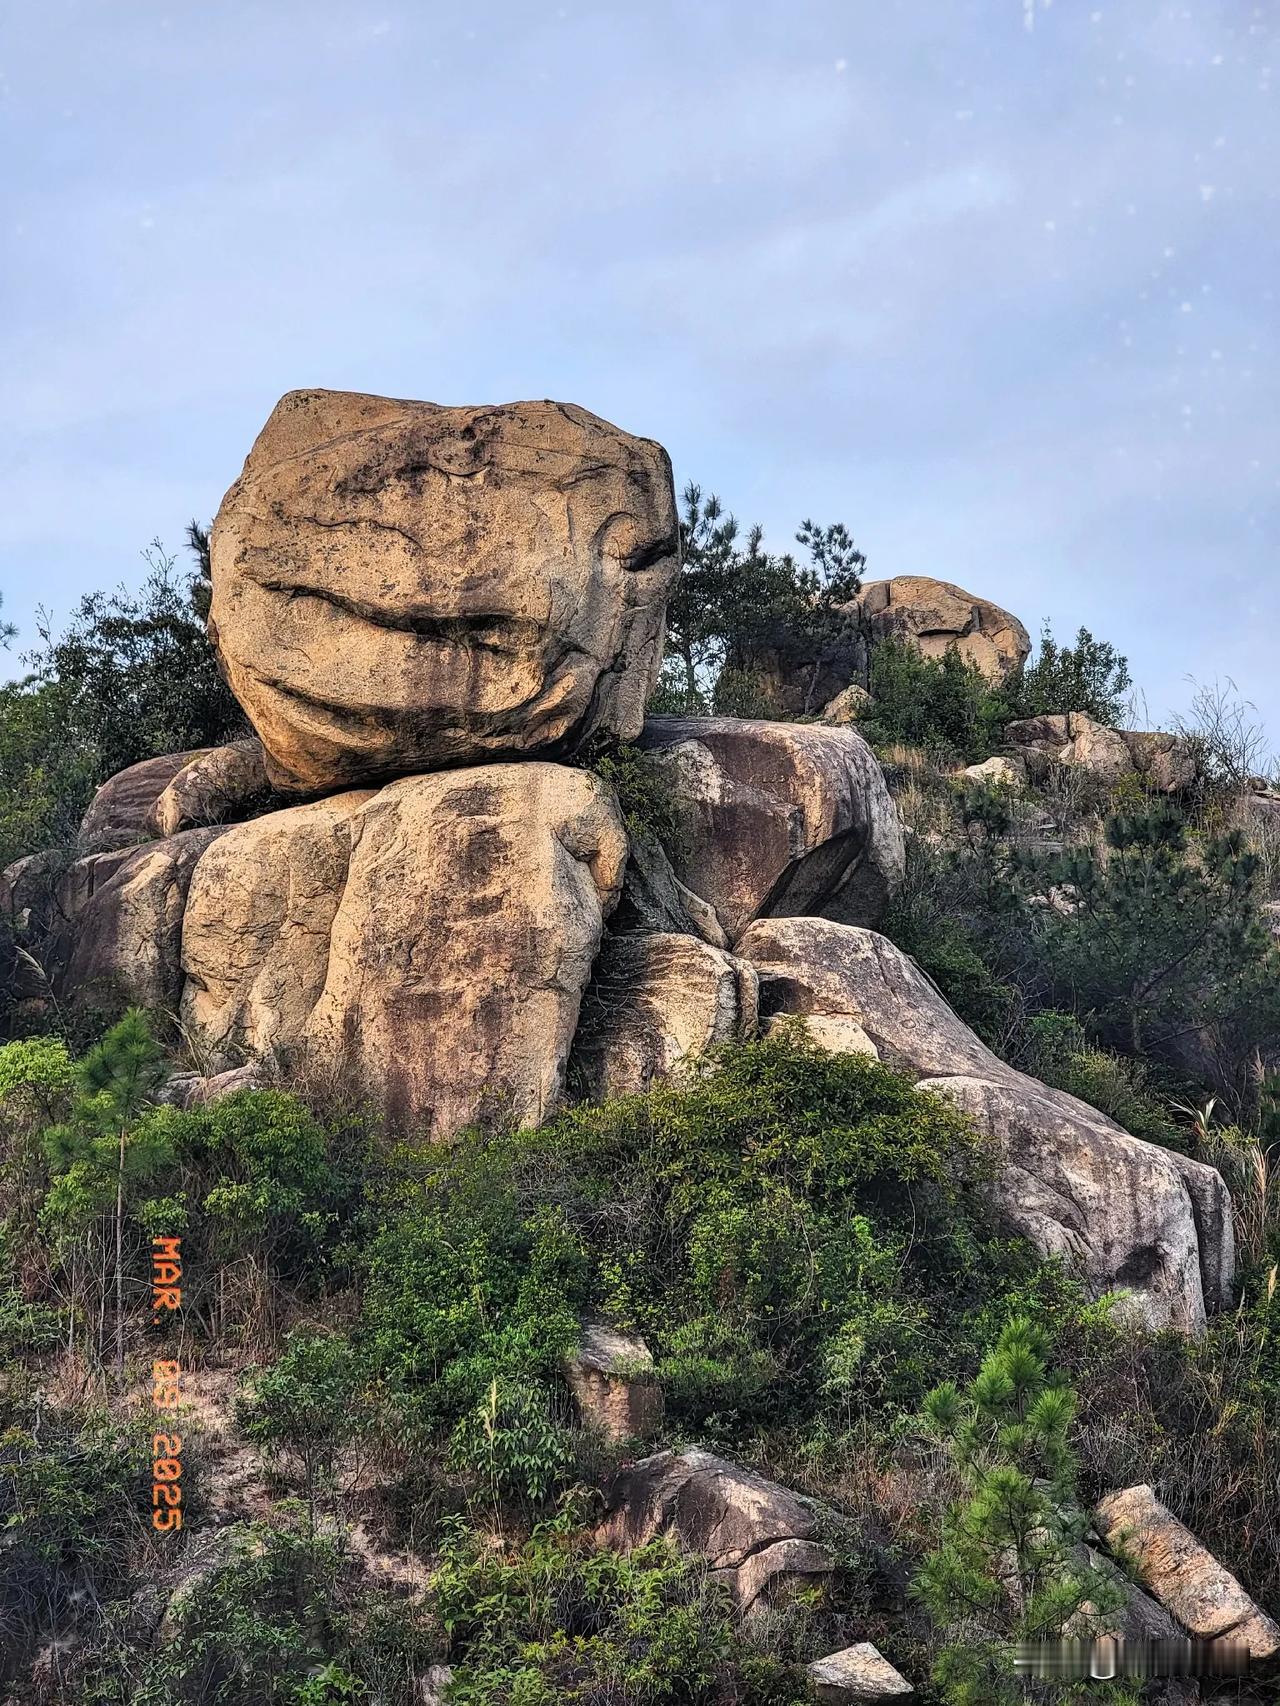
[[758, 1537], [613, 1383], [936, 615], [126, 935], [218, 786], [998, 772], [859, 1673], [1166, 762], [1182, 1574], [398, 586], [779, 818], [654, 898], [1123, 1212], [118, 813], [655, 1003], [427, 945]]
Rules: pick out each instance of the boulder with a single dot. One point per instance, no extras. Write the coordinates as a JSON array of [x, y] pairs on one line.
[[1166, 762], [427, 945], [759, 1538], [847, 706], [654, 898], [656, 1002], [998, 772], [399, 586], [195, 1090], [126, 933], [613, 1383], [935, 615], [219, 786], [859, 1673], [118, 813], [1181, 1574], [779, 818], [1123, 1212]]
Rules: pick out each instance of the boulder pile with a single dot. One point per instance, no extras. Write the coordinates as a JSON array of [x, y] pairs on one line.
[[408, 880]]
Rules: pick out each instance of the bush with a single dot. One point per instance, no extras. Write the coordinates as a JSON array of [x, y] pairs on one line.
[[556, 1621], [1090, 676], [931, 702], [305, 1407]]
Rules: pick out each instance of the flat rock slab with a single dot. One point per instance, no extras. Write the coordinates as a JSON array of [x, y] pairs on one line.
[[779, 818], [1181, 1573], [398, 587], [426, 944], [1123, 1212], [859, 1673]]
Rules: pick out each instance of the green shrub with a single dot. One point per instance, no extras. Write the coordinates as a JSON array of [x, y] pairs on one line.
[[555, 1620], [1059, 1052], [931, 702], [1090, 676], [306, 1407], [643, 789]]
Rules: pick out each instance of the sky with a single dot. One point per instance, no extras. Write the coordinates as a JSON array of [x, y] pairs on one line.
[[991, 281]]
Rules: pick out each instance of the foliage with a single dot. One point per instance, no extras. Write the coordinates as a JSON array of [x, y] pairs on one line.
[[46, 777], [554, 1620], [1005, 1570], [941, 702], [1059, 1052], [1090, 676], [733, 596], [305, 1407], [644, 792], [1162, 948]]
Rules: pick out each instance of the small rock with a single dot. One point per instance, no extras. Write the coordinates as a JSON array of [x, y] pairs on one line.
[[847, 706], [611, 1377], [220, 786], [432, 1685], [998, 772], [1182, 1573], [858, 1673]]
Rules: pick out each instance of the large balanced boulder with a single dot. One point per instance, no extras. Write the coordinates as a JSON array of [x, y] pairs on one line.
[[655, 1003], [1182, 1574], [778, 818], [759, 1538], [399, 586], [936, 615], [427, 945], [1124, 1213]]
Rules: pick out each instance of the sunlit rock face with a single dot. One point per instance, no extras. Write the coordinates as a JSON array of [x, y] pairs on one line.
[[400, 587]]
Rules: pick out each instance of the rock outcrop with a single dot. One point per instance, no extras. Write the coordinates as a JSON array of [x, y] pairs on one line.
[[1165, 762], [857, 1674], [654, 898], [1182, 1574], [119, 813], [398, 587], [936, 615], [1123, 1212], [428, 943], [613, 1383], [779, 818], [759, 1538], [655, 1003], [222, 785]]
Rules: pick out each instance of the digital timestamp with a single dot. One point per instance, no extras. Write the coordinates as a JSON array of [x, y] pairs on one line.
[[166, 1391], [1114, 1656]]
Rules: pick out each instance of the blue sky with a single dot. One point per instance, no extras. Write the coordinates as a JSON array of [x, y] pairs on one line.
[[992, 281]]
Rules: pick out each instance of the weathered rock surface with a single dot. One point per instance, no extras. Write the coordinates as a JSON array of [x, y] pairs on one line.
[[218, 786], [654, 898], [847, 706], [779, 818], [428, 944], [119, 812], [656, 1002], [936, 615], [1001, 772], [1122, 1211], [859, 1673], [613, 1383], [759, 1538], [126, 934], [399, 586], [1181, 1573], [1166, 762]]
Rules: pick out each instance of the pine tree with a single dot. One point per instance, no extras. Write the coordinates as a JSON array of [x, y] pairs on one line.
[[1008, 1568], [102, 1148]]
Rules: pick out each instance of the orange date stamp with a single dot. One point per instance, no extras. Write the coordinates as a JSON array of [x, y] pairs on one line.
[[166, 1392]]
